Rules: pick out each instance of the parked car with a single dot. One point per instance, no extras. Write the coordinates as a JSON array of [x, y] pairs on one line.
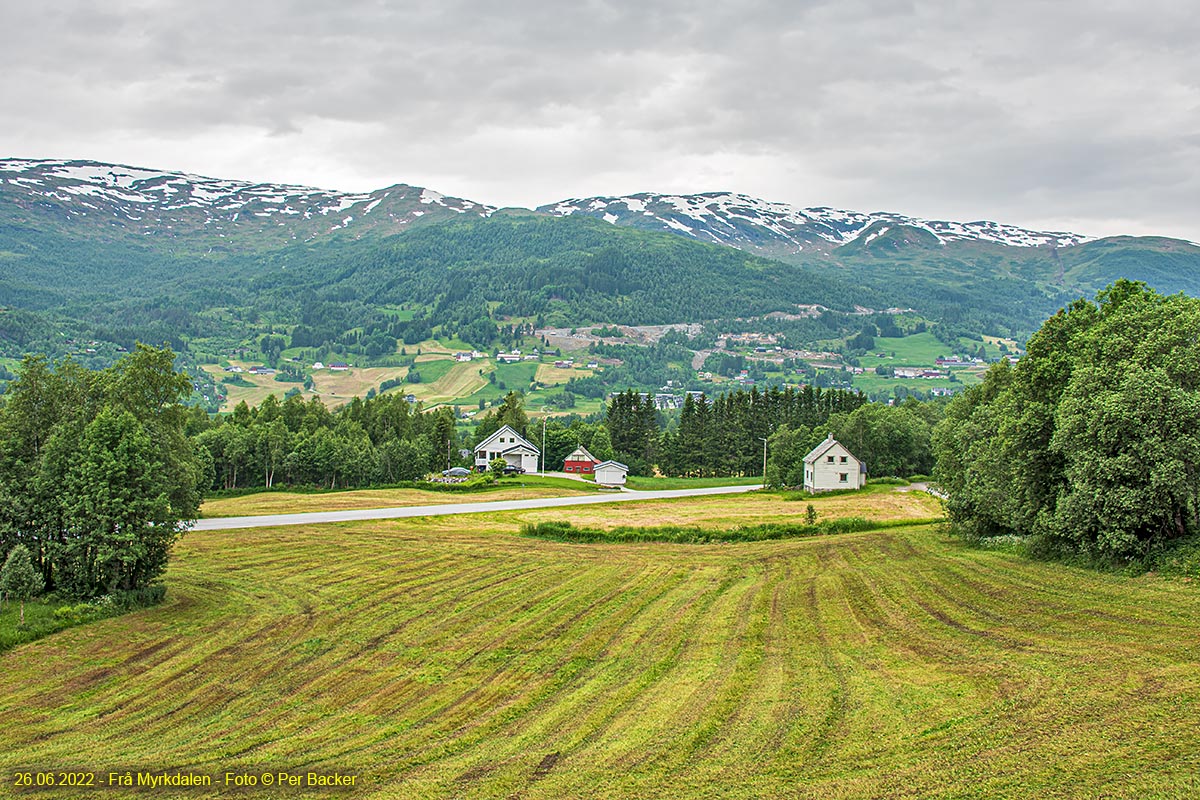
[[513, 469], [456, 472]]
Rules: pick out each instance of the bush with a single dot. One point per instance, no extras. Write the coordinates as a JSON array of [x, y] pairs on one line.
[[45, 619], [1183, 559]]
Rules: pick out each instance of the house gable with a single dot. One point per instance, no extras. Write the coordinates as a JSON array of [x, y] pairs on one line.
[[504, 439], [580, 460], [581, 454]]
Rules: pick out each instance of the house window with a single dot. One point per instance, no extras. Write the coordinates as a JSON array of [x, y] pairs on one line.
[[843, 477], [830, 459], [844, 459]]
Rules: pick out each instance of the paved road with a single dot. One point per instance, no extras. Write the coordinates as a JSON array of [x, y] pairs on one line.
[[311, 518]]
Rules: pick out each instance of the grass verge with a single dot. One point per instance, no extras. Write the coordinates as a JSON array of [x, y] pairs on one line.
[[655, 483]]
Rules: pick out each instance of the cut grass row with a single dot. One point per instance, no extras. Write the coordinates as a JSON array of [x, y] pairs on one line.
[[449, 658]]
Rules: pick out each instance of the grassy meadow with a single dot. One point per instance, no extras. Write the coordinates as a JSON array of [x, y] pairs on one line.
[[288, 502], [451, 658], [643, 483], [443, 381]]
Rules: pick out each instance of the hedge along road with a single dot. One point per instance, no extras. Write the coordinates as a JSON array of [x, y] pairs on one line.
[[309, 518]]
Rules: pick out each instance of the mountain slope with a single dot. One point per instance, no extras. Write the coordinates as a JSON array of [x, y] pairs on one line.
[[110, 200], [778, 229], [152, 244]]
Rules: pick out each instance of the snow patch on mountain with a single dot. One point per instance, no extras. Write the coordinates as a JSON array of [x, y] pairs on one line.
[[135, 194], [750, 223]]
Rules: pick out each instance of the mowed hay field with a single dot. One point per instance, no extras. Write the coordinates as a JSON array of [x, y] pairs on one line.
[[449, 657], [299, 502]]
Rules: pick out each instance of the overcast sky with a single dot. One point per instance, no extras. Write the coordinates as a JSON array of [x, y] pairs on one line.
[[1080, 115]]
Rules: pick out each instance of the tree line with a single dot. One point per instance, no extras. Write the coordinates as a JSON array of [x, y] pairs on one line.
[[97, 477], [723, 436], [1090, 444], [382, 440]]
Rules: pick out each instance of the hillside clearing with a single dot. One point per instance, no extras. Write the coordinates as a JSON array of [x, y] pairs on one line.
[[448, 658], [452, 386]]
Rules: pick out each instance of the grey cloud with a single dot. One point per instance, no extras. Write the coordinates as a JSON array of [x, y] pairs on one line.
[[1020, 111]]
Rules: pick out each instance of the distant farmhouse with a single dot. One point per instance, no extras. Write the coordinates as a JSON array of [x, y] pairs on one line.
[[514, 448], [509, 358], [830, 466]]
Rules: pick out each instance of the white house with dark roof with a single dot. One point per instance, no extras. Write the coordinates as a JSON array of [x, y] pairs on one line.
[[514, 448], [830, 466]]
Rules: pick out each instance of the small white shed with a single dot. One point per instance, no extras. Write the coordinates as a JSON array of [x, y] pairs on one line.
[[611, 473], [830, 466]]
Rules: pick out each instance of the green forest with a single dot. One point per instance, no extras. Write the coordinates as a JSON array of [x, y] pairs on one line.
[[97, 475], [1090, 444]]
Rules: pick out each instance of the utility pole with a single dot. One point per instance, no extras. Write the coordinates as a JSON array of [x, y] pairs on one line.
[[764, 441], [543, 453]]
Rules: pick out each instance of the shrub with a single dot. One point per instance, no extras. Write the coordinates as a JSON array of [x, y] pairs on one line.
[[692, 534]]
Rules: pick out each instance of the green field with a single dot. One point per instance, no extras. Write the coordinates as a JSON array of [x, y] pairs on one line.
[[521, 487], [431, 371], [917, 350], [449, 657], [652, 484], [870, 382], [514, 377]]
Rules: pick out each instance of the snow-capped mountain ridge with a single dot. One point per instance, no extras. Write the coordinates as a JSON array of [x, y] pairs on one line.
[[149, 201], [172, 205], [750, 223]]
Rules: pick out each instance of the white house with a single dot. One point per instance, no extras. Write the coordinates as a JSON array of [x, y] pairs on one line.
[[830, 466], [514, 448], [611, 473]]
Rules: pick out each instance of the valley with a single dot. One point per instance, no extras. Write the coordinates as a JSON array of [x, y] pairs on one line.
[[781, 644], [231, 274]]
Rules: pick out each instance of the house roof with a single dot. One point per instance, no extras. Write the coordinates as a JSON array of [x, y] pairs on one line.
[[820, 450], [520, 448], [581, 454], [611, 463], [507, 431]]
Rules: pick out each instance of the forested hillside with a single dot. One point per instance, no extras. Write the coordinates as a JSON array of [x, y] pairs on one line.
[[95, 258]]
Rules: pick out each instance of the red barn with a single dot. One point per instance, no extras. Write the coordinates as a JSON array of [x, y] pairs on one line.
[[580, 461]]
